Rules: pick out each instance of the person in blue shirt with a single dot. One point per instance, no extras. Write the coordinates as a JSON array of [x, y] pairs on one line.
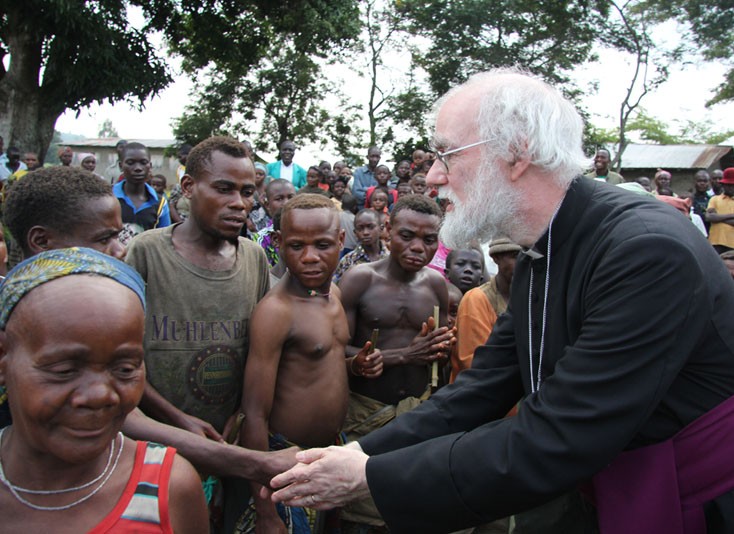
[[142, 208], [364, 177]]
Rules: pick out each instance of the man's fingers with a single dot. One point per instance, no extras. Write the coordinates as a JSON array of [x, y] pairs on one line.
[[310, 455], [292, 491], [212, 434], [291, 476], [298, 473], [306, 502], [265, 492], [424, 330]]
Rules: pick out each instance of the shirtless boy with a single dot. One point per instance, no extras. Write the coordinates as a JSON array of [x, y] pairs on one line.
[[465, 268], [396, 295], [295, 377]]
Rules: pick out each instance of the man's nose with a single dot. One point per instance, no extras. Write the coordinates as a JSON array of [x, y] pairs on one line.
[[436, 175]]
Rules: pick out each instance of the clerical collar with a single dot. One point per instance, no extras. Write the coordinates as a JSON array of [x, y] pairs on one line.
[[531, 253]]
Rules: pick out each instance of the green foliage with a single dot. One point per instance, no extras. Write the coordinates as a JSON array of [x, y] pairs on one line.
[[83, 52], [688, 132], [235, 34], [208, 114], [344, 131], [652, 129], [197, 124], [709, 23], [263, 79], [404, 149], [68, 54], [288, 91], [280, 99], [595, 138], [379, 37], [718, 137], [467, 36]]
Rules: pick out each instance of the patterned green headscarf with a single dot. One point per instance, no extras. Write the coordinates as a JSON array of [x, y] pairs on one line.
[[58, 263]]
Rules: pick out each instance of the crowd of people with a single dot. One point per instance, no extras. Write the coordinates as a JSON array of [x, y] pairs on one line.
[[340, 329]]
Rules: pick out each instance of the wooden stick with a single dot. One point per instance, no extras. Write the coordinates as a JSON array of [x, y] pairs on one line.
[[235, 428], [434, 365], [373, 340]]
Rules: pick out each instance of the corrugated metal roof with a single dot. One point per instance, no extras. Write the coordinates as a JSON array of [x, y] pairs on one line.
[[672, 156], [110, 142]]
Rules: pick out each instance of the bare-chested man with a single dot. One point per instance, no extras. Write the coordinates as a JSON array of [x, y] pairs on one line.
[[395, 295], [295, 377]]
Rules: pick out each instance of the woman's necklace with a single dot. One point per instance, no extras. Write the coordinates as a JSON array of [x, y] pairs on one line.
[[56, 492], [104, 477]]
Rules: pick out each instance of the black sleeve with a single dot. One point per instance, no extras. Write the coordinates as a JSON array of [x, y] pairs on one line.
[[642, 317]]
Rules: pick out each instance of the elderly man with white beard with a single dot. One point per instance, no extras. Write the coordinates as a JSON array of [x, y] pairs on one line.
[[617, 338]]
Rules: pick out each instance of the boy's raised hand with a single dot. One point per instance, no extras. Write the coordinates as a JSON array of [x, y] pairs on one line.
[[366, 362], [431, 343]]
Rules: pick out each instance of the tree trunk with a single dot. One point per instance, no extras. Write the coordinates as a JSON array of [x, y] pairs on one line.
[[27, 118]]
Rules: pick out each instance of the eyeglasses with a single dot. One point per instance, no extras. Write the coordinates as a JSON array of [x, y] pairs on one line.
[[441, 156]]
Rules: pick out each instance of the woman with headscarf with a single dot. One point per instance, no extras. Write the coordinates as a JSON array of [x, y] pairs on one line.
[[71, 358]]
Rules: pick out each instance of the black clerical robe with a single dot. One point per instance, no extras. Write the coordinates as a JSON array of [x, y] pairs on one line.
[[639, 341]]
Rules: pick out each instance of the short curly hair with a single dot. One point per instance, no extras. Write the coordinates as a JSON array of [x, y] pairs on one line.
[[201, 155], [307, 201], [418, 203], [53, 197]]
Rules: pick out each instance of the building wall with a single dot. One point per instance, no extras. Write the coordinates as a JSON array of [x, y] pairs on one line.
[[106, 156], [681, 182]]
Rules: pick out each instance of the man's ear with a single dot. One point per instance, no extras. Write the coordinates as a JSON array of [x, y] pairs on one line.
[[187, 185], [39, 239], [342, 234], [519, 166], [277, 237]]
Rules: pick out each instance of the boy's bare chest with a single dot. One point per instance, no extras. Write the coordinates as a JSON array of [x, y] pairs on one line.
[[397, 306], [316, 334]]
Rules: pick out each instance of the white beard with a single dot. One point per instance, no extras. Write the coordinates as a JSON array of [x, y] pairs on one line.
[[489, 212]]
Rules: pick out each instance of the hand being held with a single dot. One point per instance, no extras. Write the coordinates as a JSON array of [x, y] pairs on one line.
[[324, 478]]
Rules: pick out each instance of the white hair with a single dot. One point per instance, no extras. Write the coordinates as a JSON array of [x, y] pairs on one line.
[[521, 115]]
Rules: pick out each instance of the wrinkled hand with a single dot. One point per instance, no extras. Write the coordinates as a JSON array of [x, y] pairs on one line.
[[325, 478], [431, 344], [197, 426], [367, 364]]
